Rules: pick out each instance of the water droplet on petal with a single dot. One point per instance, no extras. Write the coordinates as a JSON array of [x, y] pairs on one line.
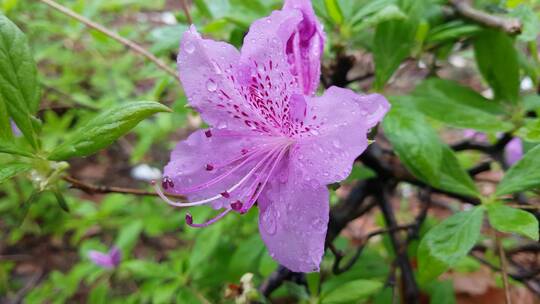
[[189, 47], [211, 85], [222, 125], [314, 132], [268, 220], [318, 224], [336, 143]]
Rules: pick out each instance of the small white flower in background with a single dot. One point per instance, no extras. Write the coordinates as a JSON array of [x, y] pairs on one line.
[[457, 61], [146, 173], [526, 84], [168, 18]]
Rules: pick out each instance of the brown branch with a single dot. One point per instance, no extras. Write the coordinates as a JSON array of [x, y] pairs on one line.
[[102, 189], [509, 25], [504, 268], [336, 269], [128, 43], [185, 8]]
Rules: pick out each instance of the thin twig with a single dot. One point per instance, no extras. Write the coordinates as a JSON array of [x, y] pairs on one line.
[[93, 189], [185, 8], [128, 43], [504, 268], [336, 269], [509, 25]]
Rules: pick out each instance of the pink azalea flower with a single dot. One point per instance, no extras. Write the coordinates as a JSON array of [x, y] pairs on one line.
[[513, 151], [107, 260], [305, 47], [270, 141]]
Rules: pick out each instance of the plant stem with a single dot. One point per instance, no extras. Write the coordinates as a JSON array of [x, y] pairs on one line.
[[128, 43]]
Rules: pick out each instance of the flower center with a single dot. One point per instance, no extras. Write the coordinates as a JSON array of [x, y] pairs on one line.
[[259, 164]]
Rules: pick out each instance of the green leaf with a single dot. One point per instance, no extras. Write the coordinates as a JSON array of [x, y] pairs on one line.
[[450, 31], [393, 42], [422, 152], [499, 65], [530, 131], [6, 133], [512, 220], [61, 200], [8, 171], [105, 128], [370, 8], [129, 235], [352, 292], [523, 175], [19, 88], [530, 21], [10, 148], [458, 106], [390, 12], [334, 11], [448, 242]]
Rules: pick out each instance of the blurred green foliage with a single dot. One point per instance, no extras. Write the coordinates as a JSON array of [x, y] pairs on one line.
[[83, 73]]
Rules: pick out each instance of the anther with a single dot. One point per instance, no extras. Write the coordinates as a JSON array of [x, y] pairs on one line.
[[189, 219], [225, 194], [236, 206], [209, 167], [167, 183], [208, 133]]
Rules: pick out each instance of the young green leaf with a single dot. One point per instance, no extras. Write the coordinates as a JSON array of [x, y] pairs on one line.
[[458, 106], [105, 128], [422, 152], [352, 292], [448, 242], [390, 12], [523, 175], [498, 65], [8, 171], [19, 88], [512, 220], [11, 148], [530, 131], [334, 11], [6, 134]]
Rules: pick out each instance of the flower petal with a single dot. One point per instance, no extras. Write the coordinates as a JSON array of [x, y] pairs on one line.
[[305, 47], [339, 122], [207, 70], [208, 154], [100, 259], [293, 221]]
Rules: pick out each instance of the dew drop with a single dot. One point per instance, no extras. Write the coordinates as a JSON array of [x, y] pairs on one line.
[[268, 220], [318, 224], [189, 47], [314, 132], [336, 143], [211, 85], [222, 125]]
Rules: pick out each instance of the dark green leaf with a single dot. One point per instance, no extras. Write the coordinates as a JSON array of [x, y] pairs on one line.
[[499, 65], [105, 128], [512, 220], [6, 134], [522, 176], [19, 88], [8, 171], [393, 42], [61, 200], [352, 292], [448, 242], [422, 152], [458, 106]]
